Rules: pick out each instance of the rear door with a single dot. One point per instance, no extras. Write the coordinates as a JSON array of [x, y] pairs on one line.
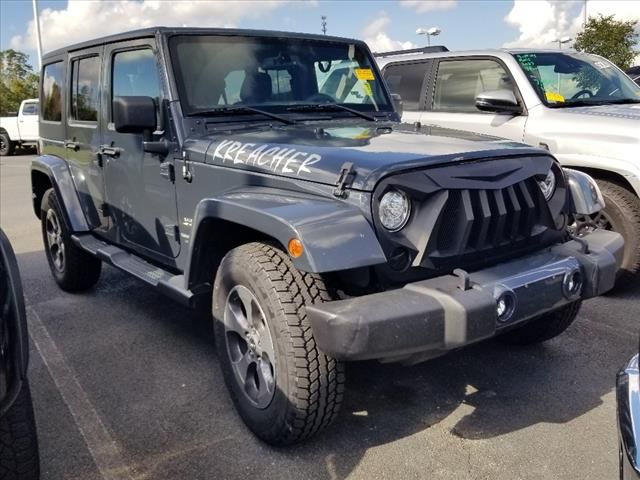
[[28, 121], [140, 188], [457, 83], [83, 135], [408, 79]]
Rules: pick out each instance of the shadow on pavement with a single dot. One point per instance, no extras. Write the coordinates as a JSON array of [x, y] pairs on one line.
[[148, 366]]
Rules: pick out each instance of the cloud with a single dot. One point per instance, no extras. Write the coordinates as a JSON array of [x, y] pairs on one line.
[[422, 6], [84, 19], [540, 22], [378, 39]]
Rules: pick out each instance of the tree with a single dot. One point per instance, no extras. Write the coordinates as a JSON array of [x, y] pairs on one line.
[[609, 38], [17, 80]]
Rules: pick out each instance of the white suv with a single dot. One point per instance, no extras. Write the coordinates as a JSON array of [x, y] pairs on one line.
[[580, 107]]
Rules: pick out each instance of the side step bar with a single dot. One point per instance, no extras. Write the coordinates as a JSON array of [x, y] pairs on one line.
[[166, 282]]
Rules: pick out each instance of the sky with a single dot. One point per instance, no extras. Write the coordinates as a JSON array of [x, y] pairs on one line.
[[385, 25]]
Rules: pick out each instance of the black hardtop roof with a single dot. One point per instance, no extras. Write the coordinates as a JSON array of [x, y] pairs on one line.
[[152, 31]]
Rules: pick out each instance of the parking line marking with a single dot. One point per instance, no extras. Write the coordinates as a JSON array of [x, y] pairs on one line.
[[101, 445]]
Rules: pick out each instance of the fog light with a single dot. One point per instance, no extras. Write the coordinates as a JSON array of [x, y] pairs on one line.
[[572, 284], [505, 305]]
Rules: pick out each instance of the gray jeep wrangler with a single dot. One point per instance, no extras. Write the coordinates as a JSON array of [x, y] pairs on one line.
[[265, 177]]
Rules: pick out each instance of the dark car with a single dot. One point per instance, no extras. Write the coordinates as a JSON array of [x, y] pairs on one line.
[[628, 397], [265, 177], [18, 440]]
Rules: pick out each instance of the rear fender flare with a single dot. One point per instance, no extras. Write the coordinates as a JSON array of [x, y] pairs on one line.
[[62, 182]]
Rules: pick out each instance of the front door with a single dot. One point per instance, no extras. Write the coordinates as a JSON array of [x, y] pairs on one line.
[[457, 83], [140, 194], [83, 133], [28, 121]]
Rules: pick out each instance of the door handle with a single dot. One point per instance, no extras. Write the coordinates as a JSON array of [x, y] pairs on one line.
[[110, 151], [71, 145]]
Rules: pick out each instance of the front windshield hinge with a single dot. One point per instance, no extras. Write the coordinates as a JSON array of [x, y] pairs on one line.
[[344, 180], [186, 167]]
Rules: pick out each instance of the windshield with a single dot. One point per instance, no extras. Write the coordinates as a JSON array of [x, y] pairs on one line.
[[565, 78], [214, 71]]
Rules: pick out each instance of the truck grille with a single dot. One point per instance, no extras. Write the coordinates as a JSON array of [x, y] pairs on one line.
[[476, 220]]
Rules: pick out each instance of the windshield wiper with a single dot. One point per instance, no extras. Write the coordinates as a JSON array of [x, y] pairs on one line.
[[323, 107], [591, 103], [240, 109]]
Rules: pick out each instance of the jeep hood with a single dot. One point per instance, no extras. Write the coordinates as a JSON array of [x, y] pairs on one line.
[[318, 154]]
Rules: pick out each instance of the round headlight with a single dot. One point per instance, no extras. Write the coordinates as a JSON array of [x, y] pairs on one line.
[[394, 210], [548, 185]]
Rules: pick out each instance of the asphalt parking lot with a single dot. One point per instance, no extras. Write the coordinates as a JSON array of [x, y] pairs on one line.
[[126, 385]]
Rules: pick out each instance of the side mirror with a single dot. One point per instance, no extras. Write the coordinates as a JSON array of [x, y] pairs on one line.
[[134, 114], [397, 103], [498, 101]]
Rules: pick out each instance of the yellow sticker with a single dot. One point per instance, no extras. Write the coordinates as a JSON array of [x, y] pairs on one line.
[[367, 89], [364, 74], [554, 97]]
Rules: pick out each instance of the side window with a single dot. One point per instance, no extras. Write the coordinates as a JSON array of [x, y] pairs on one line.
[[135, 73], [30, 109], [459, 82], [406, 80], [51, 95], [85, 99]]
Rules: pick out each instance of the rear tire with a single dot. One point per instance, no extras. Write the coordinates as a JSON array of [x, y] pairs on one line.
[[7, 147], [72, 268], [542, 328], [18, 440], [307, 386], [622, 214]]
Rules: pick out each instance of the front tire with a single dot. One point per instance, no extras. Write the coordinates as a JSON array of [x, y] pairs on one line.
[[263, 338], [7, 147], [622, 214], [19, 441], [544, 327], [72, 268]]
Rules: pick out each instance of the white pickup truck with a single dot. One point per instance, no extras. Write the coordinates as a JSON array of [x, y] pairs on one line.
[[20, 130]]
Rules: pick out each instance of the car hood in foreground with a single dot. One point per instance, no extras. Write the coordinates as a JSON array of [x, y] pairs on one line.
[[319, 153]]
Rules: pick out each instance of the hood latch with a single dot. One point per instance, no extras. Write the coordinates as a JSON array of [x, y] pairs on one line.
[[344, 180]]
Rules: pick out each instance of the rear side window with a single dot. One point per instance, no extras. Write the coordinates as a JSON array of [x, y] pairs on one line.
[[406, 80], [85, 98], [30, 109], [52, 82], [459, 82]]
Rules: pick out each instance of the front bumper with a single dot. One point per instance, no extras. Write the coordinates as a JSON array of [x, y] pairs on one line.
[[628, 397], [428, 318]]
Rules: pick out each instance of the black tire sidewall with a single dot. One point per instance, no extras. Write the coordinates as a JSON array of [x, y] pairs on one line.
[[50, 202], [265, 423], [623, 222], [8, 149]]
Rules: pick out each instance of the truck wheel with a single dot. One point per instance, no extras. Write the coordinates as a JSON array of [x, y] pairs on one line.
[[73, 269], [283, 387], [544, 327], [622, 214], [18, 440], [6, 145]]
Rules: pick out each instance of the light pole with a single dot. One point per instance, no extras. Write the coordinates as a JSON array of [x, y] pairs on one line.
[[36, 21], [429, 32], [562, 41]]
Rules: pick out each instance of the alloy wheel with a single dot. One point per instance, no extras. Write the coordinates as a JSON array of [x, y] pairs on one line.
[[249, 346], [55, 242]]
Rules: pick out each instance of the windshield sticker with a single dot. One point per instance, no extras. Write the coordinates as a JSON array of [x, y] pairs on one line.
[[364, 74], [280, 160], [554, 97]]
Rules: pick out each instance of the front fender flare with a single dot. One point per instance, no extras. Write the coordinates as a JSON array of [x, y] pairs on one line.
[[335, 234], [60, 177]]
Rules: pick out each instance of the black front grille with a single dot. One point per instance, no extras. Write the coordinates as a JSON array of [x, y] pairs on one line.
[[478, 220]]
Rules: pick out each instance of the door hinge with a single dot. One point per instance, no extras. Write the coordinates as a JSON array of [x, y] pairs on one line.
[[106, 211], [344, 180], [186, 167], [168, 171]]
